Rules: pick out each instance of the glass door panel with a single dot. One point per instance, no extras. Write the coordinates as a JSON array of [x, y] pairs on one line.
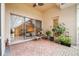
[[16, 28], [29, 27]]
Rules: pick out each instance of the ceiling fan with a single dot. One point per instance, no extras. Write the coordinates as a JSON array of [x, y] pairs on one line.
[[62, 3], [38, 4]]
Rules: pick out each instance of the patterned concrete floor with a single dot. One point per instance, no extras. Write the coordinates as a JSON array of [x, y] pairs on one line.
[[41, 48]]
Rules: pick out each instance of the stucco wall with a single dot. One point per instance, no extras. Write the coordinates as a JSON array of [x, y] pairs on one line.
[[48, 17], [68, 17]]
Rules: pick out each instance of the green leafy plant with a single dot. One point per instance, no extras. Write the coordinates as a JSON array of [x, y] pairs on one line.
[[48, 33], [58, 30], [65, 40]]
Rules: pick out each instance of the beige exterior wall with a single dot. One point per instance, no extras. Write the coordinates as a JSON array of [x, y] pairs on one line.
[[48, 17], [68, 17]]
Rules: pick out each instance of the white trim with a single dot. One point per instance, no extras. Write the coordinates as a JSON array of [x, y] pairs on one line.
[[3, 28], [25, 40], [20, 41], [9, 28], [77, 25]]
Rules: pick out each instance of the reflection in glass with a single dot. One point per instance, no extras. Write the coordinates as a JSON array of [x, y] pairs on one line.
[[16, 25], [23, 28]]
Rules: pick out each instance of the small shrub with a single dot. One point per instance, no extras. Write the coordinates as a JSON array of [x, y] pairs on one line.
[[66, 40], [48, 33]]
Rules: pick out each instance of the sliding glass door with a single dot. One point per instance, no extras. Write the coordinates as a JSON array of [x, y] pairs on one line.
[[28, 28], [23, 28], [17, 28]]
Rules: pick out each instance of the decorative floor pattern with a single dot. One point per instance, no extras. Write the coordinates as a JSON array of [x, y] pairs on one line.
[[42, 48]]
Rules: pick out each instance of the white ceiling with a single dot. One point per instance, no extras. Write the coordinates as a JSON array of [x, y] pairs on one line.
[[47, 6], [65, 5], [43, 8]]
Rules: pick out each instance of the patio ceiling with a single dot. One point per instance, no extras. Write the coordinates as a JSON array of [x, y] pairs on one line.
[[45, 7]]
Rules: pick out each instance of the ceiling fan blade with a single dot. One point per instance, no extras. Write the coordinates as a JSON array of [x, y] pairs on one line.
[[34, 5], [62, 3], [40, 4]]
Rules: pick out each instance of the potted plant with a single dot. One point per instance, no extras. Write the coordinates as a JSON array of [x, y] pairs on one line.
[[58, 30], [48, 33], [65, 40]]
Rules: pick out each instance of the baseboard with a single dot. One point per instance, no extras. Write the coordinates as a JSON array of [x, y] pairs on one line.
[[19, 41]]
